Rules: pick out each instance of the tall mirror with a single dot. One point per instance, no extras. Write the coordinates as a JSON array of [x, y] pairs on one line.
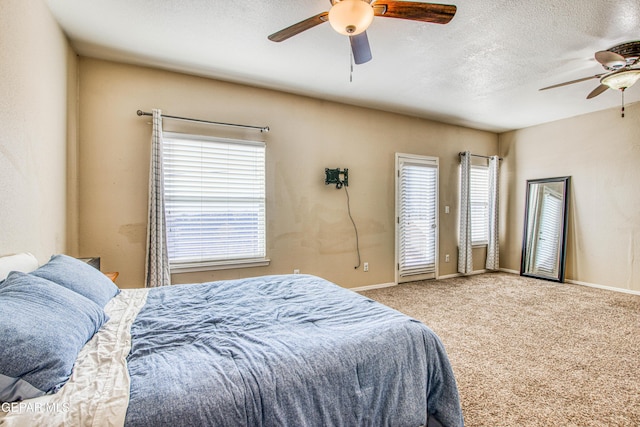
[[545, 228]]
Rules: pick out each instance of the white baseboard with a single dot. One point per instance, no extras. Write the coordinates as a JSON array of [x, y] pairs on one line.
[[591, 285], [388, 285], [607, 288], [505, 270], [370, 287]]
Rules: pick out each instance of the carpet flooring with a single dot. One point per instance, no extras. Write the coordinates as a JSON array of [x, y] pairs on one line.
[[529, 352]]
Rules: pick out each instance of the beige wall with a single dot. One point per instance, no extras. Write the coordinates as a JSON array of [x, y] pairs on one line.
[[75, 180], [37, 72], [601, 153], [88, 196], [308, 227]]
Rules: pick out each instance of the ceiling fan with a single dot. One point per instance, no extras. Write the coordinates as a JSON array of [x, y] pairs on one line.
[[622, 65], [353, 17]]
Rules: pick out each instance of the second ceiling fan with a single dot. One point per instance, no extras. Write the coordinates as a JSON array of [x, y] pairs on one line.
[[621, 64], [352, 18]]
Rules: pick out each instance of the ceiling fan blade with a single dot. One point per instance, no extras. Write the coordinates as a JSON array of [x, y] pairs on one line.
[[415, 11], [360, 48], [610, 59], [597, 76], [299, 27], [597, 91]]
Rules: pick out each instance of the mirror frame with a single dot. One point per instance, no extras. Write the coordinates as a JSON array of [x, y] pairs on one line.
[[565, 180]]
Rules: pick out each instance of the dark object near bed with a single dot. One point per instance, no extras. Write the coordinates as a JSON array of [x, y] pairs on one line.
[[92, 261], [284, 351]]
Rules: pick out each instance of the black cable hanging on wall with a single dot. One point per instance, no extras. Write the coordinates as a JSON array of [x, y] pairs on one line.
[[332, 176], [354, 227]]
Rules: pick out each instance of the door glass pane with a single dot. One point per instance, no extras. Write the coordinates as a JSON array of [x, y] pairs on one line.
[[417, 221]]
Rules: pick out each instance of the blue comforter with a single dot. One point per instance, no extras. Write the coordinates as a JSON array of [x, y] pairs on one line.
[[291, 350]]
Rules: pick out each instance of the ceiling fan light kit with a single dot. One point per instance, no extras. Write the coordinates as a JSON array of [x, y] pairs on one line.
[[621, 63], [350, 17], [621, 80]]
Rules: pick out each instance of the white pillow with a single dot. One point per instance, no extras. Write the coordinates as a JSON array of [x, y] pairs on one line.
[[24, 262]]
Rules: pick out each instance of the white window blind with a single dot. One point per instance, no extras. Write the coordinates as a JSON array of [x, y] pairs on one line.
[[417, 217], [214, 200], [479, 195]]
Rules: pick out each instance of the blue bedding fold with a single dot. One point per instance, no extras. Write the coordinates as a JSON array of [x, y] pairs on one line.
[[290, 350]]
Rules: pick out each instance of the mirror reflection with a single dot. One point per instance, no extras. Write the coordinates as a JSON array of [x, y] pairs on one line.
[[545, 228]]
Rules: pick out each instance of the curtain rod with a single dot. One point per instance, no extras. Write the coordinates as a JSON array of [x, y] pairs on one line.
[[260, 128], [477, 155]]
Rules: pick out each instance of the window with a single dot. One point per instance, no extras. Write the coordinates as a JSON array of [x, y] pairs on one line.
[[479, 195], [214, 202], [416, 209]]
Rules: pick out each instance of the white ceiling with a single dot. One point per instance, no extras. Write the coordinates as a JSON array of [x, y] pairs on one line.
[[482, 70]]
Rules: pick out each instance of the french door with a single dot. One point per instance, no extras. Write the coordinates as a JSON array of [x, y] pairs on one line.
[[416, 217]]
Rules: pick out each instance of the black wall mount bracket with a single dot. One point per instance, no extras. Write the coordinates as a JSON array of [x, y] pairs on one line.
[[332, 176]]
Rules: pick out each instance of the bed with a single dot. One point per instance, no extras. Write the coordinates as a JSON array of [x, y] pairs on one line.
[[281, 350]]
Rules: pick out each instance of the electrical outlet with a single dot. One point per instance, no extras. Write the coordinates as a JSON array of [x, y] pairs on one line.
[[446, 258], [366, 266], [446, 209], [296, 271]]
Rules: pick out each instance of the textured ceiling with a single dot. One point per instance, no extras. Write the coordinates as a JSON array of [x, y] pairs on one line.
[[482, 70]]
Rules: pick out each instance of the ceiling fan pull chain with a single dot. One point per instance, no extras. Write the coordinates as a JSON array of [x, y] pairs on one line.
[[350, 66], [623, 103]]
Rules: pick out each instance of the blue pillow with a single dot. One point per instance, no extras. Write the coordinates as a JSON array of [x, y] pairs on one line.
[[79, 277], [43, 328]]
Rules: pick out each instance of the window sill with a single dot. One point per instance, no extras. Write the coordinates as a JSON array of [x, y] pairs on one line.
[[189, 267], [479, 245]]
